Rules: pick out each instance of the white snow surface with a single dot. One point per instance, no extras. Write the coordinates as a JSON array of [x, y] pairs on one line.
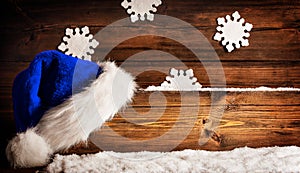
[[239, 160], [262, 88]]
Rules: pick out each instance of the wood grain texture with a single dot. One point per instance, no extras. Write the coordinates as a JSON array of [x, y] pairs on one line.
[[251, 119], [37, 27], [254, 119], [237, 74], [282, 45]]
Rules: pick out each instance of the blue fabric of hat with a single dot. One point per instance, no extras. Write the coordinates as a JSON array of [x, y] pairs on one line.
[[51, 78]]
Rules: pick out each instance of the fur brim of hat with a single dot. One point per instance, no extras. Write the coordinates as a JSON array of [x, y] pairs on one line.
[[72, 121]]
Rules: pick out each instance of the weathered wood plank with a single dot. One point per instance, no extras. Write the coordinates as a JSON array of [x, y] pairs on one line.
[[244, 101], [234, 100], [36, 27], [252, 119], [237, 74], [248, 74], [204, 99], [9, 70], [243, 116], [282, 45], [242, 124], [266, 14], [223, 139]]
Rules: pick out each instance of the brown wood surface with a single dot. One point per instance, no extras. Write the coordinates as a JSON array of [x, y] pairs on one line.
[[238, 74], [255, 119]]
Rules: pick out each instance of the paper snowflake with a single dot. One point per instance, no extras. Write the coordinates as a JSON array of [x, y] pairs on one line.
[[78, 43], [233, 32], [137, 9], [179, 80]]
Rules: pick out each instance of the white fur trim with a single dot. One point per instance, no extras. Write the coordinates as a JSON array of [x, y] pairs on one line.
[[28, 149], [71, 122]]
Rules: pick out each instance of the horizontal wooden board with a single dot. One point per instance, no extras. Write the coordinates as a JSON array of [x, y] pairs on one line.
[[253, 119], [144, 100], [222, 140], [34, 28], [174, 99], [277, 48], [268, 13], [259, 119], [246, 74], [282, 44]]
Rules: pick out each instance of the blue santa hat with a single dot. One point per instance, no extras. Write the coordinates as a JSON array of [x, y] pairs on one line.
[[46, 83], [45, 111]]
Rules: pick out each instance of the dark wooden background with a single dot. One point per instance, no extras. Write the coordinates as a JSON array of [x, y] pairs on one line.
[[257, 119]]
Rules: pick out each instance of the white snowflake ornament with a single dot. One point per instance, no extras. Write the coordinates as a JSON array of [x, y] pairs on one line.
[[137, 9], [78, 43], [233, 32], [181, 80]]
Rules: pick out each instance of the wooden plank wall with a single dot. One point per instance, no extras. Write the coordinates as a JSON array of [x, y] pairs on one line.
[[254, 119]]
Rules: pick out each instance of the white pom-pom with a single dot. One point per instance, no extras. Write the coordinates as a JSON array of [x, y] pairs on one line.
[[28, 149]]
